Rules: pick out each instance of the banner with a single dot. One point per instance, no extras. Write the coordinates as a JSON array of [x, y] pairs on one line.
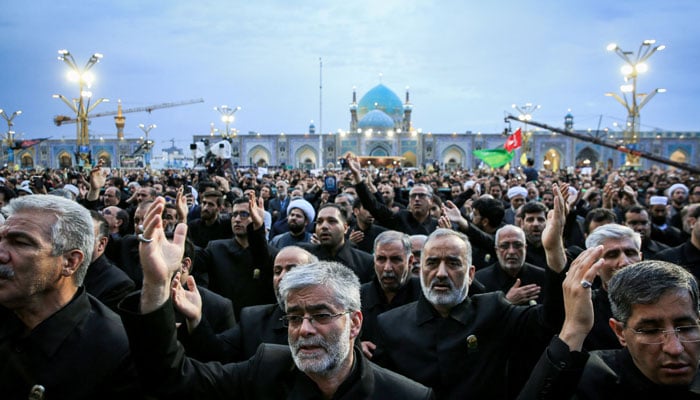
[[494, 158]]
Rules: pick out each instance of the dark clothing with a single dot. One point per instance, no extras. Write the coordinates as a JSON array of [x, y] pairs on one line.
[[124, 252], [607, 374], [483, 247], [536, 255], [269, 374], [402, 221], [217, 309], [80, 352], [601, 337], [201, 234], [667, 234], [278, 208], [243, 275], [258, 324], [361, 263], [367, 242], [685, 255], [465, 355], [495, 278], [107, 283], [374, 303], [651, 247]]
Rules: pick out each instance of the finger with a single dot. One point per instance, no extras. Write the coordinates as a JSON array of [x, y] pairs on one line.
[[517, 283], [192, 285]]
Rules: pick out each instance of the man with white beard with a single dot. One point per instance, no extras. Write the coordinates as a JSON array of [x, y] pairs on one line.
[[322, 305], [459, 345]]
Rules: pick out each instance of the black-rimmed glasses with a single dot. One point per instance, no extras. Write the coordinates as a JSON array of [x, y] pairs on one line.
[[321, 319]]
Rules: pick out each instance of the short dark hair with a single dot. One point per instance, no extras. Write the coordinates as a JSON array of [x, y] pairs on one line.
[[214, 193], [598, 215], [337, 207], [490, 208], [533, 207]]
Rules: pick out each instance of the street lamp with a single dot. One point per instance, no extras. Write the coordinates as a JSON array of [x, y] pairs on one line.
[[633, 102], [227, 116], [81, 106], [9, 139], [147, 144], [525, 115]]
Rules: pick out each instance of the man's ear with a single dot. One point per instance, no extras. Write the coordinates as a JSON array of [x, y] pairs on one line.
[[186, 265], [618, 327], [71, 261], [356, 320]]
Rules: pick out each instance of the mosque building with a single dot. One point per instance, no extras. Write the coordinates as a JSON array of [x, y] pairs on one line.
[[381, 130]]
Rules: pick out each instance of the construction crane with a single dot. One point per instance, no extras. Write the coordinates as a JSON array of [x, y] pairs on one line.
[[64, 119]]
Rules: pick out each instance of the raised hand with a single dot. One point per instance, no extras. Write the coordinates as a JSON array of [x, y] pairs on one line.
[[257, 210], [160, 258], [577, 297], [552, 236], [187, 300]]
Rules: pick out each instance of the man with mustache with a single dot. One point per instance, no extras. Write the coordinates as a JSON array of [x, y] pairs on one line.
[[322, 305], [54, 335], [458, 345], [393, 285]]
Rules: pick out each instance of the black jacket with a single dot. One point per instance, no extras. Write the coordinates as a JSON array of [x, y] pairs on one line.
[[357, 260], [107, 283], [606, 374], [374, 303], [269, 374], [80, 352], [258, 324], [495, 278], [402, 221], [465, 355]]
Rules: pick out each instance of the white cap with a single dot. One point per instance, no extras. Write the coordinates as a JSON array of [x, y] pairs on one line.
[[658, 201], [517, 191]]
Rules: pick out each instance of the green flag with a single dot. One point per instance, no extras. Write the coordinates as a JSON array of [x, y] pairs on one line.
[[494, 158]]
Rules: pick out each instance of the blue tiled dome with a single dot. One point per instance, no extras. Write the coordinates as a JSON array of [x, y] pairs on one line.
[[381, 98], [376, 119]]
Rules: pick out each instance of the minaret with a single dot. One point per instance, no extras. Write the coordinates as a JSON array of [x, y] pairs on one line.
[[569, 122], [353, 112], [407, 108], [120, 121]]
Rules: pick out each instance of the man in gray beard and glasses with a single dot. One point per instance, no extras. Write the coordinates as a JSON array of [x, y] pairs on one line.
[[323, 318]]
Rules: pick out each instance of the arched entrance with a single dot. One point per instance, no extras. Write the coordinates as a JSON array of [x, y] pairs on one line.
[[259, 156], [552, 160], [379, 151], [106, 158], [587, 157], [27, 161], [452, 157], [305, 157], [65, 160], [679, 156]]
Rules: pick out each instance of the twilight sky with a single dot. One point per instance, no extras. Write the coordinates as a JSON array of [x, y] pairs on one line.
[[465, 62]]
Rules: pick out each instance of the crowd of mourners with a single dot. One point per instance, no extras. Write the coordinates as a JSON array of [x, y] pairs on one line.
[[360, 282]]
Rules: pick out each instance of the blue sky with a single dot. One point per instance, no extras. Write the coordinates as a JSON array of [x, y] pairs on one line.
[[465, 62]]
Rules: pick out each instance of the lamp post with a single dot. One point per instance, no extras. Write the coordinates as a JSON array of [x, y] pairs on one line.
[[227, 116], [633, 101], [9, 139], [81, 106], [525, 112], [147, 143]]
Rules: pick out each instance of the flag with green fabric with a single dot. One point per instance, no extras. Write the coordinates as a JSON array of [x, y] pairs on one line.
[[494, 158]]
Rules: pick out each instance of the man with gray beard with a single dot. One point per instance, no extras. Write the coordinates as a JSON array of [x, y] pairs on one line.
[[459, 345], [322, 305]]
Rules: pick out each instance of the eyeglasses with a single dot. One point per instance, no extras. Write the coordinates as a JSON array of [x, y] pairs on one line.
[[242, 214], [295, 321], [419, 195], [507, 245], [688, 333]]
